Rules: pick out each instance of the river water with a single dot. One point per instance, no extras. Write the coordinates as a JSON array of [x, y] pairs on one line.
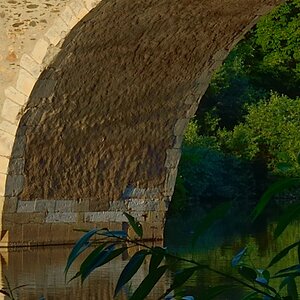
[[41, 269]]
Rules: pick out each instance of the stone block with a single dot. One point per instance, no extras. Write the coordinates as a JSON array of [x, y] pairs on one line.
[[61, 217], [78, 8], [44, 234], [104, 216], [142, 205], [30, 65], [10, 205], [16, 166], [10, 219], [63, 206], [53, 36], [192, 110], [14, 185], [26, 206], [14, 236], [2, 184], [6, 143], [44, 206], [90, 4], [81, 205], [173, 157], [25, 82], [180, 126], [11, 111], [8, 127], [15, 95], [40, 50], [4, 162], [30, 233], [170, 182], [69, 17], [178, 141]]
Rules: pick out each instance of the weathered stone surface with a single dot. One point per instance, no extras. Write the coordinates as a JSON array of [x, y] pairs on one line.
[[10, 111], [40, 50], [15, 95], [105, 110], [61, 217], [6, 143]]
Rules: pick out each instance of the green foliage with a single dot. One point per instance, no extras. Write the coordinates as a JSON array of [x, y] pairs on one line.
[[270, 132]]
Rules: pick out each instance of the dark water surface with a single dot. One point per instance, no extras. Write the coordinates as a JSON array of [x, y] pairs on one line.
[[42, 268]]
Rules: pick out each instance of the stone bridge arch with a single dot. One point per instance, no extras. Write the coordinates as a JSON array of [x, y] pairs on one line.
[[94, 110]]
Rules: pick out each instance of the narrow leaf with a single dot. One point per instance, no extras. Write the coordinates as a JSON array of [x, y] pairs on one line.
[[250, 296], [289, 215], [247, 273], [238, 257], [291, 268], [156, 259], [215, 291], [148, 283], [81, 245], [137, 227], [216, 214], [292, 289], [117, 233], [130, 269], [274, 189], [282, 254], [95, 261]]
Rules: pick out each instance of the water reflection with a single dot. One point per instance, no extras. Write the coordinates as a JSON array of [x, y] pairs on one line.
[[42, 268]]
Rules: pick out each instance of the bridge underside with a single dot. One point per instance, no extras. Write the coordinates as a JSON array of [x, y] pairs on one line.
[[101, 130]]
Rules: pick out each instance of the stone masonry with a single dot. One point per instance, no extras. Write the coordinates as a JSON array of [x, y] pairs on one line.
[[94, 100]]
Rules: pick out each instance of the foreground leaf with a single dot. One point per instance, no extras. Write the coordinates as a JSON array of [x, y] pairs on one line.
[[289, 215], [137, 227], [156, 258], [247, 273], [216, 214], [215, 291], [274, 189], [81, 245], [282, 254], [292, 288], [238, 257], [130, 269], [148, 283]]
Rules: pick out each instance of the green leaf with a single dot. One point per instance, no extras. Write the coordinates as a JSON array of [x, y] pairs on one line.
[[99, 257], [282, 254], [137, 226], [81, 245], [298, 158], [148, 283], [95, 260], [274, 189], [130, 269], [237, 258], [292, 288], [291, 268], [156, 259], [116, 233], [299, 253], [216, 214], [250, 296], [215, 291], [247, 273], [289, 215]]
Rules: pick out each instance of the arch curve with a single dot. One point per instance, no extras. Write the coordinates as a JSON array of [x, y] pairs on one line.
[[103, 122]]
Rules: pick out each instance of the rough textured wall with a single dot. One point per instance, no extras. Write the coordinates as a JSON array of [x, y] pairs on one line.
[[101, 127], [123, 79]]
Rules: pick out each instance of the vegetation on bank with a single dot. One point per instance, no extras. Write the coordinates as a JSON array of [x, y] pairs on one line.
[[246, 131]]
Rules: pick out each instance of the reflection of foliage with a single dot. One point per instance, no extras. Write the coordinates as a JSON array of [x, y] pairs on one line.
[[210, 176], [260, 281]]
